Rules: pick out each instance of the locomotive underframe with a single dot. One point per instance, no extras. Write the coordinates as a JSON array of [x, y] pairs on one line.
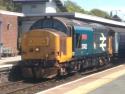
[[49, 69]]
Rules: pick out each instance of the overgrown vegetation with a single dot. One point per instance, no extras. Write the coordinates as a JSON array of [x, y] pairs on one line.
[[6, 5], [9, 5], [71, 7]]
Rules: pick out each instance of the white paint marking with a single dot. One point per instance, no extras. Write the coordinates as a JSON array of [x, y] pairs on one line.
[[84, 46], [6, 66], [45, 91], [103, 39]]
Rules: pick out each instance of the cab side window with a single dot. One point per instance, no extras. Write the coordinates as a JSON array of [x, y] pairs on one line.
[[78, 40]]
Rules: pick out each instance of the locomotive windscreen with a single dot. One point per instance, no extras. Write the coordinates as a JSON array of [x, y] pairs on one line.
[[49, 23]]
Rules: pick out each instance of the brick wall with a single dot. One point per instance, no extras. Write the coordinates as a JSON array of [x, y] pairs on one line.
[[9, 32]]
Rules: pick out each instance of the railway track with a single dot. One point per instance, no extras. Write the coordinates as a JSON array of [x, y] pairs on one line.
[[23, 87], [10, 87]]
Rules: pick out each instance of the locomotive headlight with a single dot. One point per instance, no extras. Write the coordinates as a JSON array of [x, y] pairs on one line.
[[37, 49]]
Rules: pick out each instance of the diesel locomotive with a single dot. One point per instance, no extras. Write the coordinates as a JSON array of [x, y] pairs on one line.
[[58, 46]]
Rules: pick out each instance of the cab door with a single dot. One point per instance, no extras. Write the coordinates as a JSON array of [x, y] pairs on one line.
[[83, 41]]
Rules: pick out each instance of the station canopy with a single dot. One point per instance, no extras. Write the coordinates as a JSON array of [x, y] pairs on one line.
[[79, 16]]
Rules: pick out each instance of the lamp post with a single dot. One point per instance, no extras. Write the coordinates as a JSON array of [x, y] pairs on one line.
[[123, 18], [115, 16], [116, 12]]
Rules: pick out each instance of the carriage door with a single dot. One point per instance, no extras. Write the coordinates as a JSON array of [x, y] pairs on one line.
[[71, 34], [110, 42]]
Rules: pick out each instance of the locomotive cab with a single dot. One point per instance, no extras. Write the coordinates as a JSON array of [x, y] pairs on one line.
[[46, 45], [47, 48]]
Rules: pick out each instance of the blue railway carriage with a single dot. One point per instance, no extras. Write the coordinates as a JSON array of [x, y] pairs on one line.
[[118, 42], [121, 49], [92, 40], [94, 43]]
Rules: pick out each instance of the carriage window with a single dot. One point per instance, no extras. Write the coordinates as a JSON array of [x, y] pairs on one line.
[[70, 31], [47, 24], [96, 38], [59, 26], [36, 25], [78, 40]]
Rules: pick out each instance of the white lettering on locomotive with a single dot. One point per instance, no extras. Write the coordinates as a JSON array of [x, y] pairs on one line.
[[84, 46], [103, 39]]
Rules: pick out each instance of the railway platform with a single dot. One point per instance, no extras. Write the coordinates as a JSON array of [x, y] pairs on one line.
[[110, 81], [9, 60]]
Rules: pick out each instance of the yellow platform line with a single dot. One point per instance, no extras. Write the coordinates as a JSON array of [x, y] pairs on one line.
[[85, 89]]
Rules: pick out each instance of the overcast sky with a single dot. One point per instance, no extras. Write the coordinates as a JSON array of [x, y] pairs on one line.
[[107, 5]]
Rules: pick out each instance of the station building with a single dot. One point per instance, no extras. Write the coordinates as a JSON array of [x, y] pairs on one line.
[[41, 6], [32, 8], [8, 32], [11, 23]]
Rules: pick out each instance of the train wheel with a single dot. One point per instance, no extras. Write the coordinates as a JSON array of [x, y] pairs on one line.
[[108, 59], [82, 65], [94, 62], [86, 64], [101, 61], [26, 72], [62, 71], [79, 65], [37, 73], [98, 63]]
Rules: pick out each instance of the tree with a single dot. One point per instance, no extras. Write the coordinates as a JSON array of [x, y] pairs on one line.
[[73, 7], [1, 5], [7, 5], [100, 13]]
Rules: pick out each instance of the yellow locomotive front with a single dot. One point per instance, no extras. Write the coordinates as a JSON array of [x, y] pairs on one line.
[[42, 52]]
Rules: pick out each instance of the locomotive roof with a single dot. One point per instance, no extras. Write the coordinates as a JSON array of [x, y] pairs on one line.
[[96, 25], [117, 29], [75, 22], [80, 16], [72, 21], [90, 24]]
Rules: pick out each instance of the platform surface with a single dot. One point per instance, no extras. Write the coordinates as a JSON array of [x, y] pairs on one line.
[[115, 87], [9, 60], [110, 81]]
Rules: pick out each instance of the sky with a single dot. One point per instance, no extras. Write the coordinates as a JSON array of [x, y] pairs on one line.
[[106, 5]]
